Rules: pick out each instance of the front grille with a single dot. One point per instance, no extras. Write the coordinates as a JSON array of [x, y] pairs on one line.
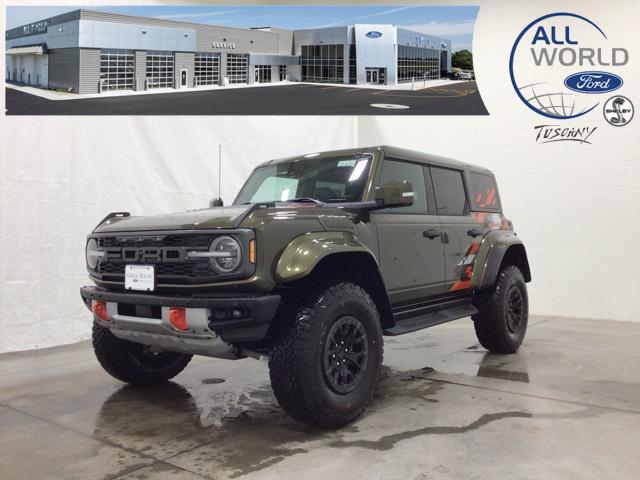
[[192, 241], [167, 252], [180, 271], [188, 269]]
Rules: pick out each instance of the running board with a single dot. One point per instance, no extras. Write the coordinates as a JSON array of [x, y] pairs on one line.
[[431, 319]]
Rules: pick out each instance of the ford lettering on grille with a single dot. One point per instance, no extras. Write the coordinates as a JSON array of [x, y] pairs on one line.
[[147, 254]]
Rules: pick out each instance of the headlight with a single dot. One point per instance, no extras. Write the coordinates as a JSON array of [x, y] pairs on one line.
[[227, 254], [93, 254]]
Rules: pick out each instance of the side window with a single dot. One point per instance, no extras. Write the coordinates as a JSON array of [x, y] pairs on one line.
[[451, 198], [484, 196], [395, 171]]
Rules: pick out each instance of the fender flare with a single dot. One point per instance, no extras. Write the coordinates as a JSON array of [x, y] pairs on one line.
[[493, 249], [303, 253]]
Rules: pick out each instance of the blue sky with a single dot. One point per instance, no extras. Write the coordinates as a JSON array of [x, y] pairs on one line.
[[455, 23]]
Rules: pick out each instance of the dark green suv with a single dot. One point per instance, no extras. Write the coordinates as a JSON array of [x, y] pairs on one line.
[[317, 259]]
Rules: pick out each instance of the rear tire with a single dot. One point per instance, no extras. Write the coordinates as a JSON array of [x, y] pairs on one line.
[[327, 355], [134, 363], [501, 322]]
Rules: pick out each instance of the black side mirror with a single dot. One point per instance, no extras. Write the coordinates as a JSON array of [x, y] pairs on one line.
[[216, 202], [394, 194]]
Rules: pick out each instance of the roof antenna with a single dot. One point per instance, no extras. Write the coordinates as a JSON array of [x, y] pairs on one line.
[[219, 170], [217, 202]]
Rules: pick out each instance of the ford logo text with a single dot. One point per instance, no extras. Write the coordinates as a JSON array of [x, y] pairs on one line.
[[593, 82], [374, 34]]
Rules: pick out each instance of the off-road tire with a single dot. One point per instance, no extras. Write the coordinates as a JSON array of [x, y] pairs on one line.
[[126, 361], [493, 327], [298, 376]]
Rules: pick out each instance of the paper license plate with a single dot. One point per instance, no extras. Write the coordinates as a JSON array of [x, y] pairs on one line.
[[139, 277]]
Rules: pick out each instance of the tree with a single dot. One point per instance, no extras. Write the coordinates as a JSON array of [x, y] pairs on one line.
[[462, 59]]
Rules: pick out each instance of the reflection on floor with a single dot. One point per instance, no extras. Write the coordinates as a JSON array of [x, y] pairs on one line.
[[566, 406]]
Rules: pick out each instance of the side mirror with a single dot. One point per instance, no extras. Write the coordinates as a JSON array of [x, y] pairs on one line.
[[216, 202], [394, 194]]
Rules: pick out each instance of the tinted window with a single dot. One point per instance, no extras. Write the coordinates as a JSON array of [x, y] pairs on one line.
[[449, 190], [484, 195], [394, 171]]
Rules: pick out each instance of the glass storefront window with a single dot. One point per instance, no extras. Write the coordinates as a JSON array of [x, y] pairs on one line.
[[417, 63], [323, 63], [263, 73]]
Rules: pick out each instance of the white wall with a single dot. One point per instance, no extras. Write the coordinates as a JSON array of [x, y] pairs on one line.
[[60, 176], [576, 206]]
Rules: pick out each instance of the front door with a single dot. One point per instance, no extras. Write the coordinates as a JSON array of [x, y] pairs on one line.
[[410, 244], [183, 77], [372, 75]]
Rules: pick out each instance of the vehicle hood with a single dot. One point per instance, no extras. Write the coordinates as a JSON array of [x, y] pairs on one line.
[[218, 217]]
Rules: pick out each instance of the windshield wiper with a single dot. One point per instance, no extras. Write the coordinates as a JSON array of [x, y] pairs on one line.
[[303, 200]]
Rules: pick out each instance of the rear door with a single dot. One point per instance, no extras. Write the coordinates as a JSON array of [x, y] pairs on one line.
[[411, 252], [461, 234]]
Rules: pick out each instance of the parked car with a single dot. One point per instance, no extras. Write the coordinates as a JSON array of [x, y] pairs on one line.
[[317, 259]]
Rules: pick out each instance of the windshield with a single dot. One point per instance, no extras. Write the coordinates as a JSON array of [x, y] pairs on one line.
[[328, 180]]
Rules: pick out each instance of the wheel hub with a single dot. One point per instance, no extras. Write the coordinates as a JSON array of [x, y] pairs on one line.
[[515, 309], [345, 354]]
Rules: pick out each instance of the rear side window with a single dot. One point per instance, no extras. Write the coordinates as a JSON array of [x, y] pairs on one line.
[[484, 195], [451, 198]]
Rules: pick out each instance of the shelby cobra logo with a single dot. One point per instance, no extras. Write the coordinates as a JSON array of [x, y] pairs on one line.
[[374, 34]]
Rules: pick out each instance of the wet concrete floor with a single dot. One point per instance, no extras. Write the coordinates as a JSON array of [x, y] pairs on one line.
[[566, 406]]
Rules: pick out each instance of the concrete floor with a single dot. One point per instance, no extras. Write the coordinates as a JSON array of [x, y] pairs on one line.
[[566, 406]]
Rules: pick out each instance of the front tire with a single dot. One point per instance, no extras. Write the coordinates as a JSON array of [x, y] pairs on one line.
[[134, 363], [501, 322], [326, 360]]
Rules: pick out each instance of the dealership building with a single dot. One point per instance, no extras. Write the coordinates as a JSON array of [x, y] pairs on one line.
[[85, 51]]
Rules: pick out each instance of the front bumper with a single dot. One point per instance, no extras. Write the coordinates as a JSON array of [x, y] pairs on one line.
[[144, 318]]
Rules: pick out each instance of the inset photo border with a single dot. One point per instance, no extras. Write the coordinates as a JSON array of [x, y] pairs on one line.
[[241, 60]]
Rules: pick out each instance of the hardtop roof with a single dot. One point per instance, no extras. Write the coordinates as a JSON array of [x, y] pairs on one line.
[[387, 151]]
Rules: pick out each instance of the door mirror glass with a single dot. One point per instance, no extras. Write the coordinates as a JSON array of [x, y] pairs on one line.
[[216, 202], [395, 194]]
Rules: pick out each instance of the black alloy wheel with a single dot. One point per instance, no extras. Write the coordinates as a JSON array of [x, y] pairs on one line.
[[514, 309], [345, 354]]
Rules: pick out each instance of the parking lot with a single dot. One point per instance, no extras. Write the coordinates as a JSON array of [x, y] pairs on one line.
[[297, 99]]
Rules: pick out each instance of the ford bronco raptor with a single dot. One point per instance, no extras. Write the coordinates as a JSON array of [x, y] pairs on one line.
[[317, 259]]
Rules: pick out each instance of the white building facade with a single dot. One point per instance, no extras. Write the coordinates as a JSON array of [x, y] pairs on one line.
[[84, 51]]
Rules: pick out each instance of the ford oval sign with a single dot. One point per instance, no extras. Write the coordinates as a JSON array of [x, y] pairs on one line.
[[374, 34], [593, 82]]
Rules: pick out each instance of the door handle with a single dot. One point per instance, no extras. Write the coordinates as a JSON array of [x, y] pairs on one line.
[[474, 232], [431, 233]]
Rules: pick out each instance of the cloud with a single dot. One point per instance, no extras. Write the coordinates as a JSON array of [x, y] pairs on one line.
[[369, 15], [445, 29], [461, 46]]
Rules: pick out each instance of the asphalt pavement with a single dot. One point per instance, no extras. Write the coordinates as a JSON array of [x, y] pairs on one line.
[[297, 99]]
